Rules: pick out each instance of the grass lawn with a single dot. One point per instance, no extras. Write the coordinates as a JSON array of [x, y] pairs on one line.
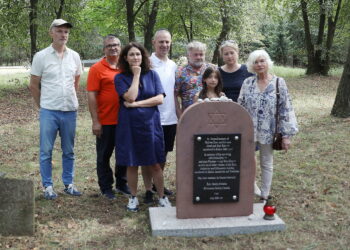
[[311, 182]]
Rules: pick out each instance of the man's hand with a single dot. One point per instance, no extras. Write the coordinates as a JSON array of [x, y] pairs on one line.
[[97, 129]]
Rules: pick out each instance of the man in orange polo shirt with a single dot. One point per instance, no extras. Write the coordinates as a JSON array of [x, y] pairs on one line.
[[104, 106]]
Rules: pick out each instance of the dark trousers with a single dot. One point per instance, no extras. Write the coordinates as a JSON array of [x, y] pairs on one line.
[[104, 148]]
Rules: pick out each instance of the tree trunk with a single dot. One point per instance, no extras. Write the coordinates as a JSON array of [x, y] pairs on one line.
[[225, 30], [185, 28], [191, 24], [130, 19], [318, 60], [60, 10], [332, 24], [150, 22], [33, 27], [341, 106]]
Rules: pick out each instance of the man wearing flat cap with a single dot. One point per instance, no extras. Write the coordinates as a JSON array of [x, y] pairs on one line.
[[54, 81]]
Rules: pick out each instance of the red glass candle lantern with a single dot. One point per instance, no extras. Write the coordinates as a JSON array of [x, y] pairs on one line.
[[269, 210]]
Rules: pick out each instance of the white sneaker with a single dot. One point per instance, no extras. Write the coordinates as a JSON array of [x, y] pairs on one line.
[[49, 194], [164, 202], [133, 204]]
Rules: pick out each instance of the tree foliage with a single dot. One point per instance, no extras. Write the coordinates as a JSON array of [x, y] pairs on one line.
[[277, 26]]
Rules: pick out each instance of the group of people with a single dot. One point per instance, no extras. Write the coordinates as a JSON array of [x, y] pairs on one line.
[[135, 101]]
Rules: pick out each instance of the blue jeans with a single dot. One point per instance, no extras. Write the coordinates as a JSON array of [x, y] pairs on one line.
[[51, 122]]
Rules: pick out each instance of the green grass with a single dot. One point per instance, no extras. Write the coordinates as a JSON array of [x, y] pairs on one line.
[[12, 82], [311, 182], [336, 71], [288, 72]]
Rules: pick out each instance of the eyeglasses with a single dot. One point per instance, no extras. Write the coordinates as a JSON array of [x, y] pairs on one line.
[[109, 46]]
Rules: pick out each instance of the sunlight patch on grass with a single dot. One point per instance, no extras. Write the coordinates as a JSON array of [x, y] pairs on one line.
[[287, 72]]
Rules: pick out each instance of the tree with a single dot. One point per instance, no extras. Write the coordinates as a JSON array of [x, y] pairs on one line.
[[318, 53], [59, 12], [225, 28], [149, 22], [33, 26], [341, 106], [131, 16]]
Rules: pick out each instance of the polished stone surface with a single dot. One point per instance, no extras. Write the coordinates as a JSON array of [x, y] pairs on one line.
[[213, 118]]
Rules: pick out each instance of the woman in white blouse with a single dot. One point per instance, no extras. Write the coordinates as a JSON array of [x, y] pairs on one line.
[[258, 97]]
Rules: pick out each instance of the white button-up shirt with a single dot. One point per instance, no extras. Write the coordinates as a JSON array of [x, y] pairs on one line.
[[166, 71], [57, 78]]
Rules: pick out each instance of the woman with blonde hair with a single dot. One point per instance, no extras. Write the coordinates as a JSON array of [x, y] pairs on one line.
[[232, 72]]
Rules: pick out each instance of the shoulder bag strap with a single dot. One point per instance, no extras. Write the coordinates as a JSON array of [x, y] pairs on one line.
[[277, 116]]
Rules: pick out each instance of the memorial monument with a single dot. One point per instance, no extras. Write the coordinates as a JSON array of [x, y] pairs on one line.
[[215, 173], [212, 177]]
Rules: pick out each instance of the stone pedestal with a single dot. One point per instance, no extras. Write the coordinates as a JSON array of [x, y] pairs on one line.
[[165, 223], [16, 207]]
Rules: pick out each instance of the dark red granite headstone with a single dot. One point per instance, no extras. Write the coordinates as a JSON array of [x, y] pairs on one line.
[[215, 152]]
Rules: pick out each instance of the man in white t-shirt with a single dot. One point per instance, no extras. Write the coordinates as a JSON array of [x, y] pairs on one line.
[[166, 70], [54, 81]]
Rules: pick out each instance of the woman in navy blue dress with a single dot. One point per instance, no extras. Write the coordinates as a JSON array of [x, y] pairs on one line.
[[139, 134]]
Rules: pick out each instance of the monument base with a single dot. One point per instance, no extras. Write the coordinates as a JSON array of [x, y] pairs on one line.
[[165, 223]]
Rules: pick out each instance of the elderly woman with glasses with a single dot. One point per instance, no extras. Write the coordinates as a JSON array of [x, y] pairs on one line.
[[258, 97], [232, 73]]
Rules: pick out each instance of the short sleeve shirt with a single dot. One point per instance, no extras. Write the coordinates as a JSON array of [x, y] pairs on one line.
[[101, 80], [57, 78], [188, 81], [166, 71]]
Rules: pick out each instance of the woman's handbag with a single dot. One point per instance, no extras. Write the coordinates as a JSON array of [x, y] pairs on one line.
[[277, 137]]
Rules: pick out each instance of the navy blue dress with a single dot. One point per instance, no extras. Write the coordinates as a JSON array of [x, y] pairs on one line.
[[139, 134], [233, 81]]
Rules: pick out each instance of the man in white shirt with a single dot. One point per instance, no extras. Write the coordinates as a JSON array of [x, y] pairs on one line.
[[166, 70], [54, 81]]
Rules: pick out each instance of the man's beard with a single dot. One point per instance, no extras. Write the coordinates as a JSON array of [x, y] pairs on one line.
[[197, 64]]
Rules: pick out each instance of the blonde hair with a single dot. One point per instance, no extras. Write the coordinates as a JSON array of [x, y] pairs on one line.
[[229, 43], [254, 56]]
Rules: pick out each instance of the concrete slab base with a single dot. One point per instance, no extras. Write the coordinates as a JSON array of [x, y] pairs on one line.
[[165, 223]]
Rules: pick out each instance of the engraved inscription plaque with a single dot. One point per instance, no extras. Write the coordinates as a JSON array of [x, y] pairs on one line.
[[216, 169]]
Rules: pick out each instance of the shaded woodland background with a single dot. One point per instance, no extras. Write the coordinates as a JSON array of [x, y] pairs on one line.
[[310, 34], [313, 34]]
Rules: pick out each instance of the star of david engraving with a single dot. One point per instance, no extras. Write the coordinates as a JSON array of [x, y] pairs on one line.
[[217, 119]]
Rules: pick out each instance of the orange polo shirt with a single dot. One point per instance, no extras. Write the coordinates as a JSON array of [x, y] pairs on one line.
[[101, 79]]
